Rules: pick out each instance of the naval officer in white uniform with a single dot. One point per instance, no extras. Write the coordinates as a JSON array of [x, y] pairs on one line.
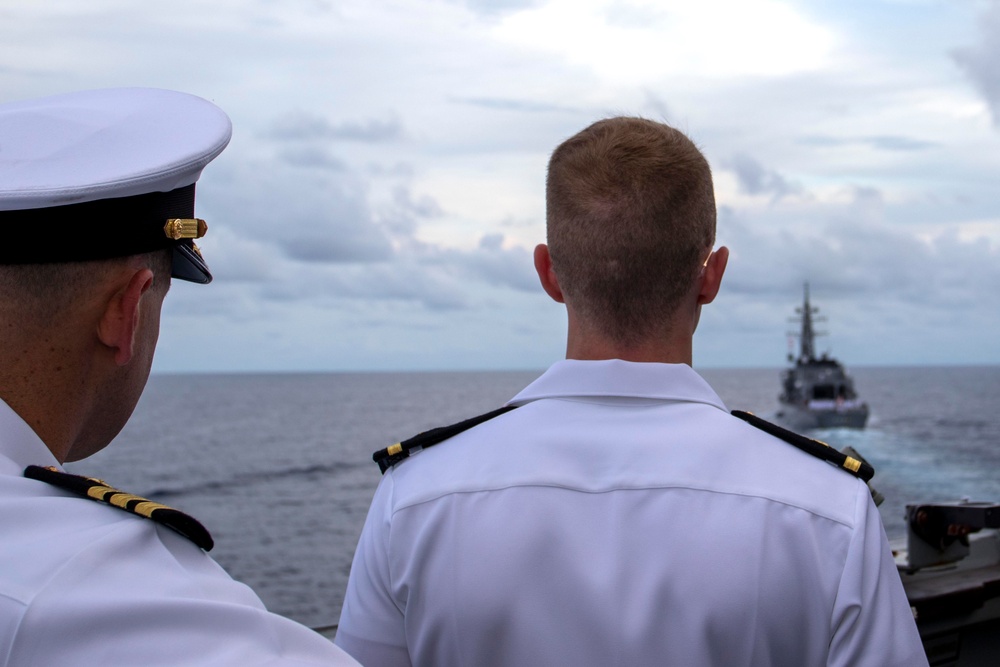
[[96, 214], [618, 514]]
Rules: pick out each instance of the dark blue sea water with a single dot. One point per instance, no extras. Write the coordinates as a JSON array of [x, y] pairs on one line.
[[278, 467]]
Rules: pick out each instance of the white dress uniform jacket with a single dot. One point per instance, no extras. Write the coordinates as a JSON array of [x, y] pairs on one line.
[[84, 583], [621, 516]]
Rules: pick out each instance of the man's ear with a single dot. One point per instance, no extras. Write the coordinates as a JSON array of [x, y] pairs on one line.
[[117, 326], [543, 266], [711, 276]]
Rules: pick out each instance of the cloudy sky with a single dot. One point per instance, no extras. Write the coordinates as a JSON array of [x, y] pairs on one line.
[[383, 191]]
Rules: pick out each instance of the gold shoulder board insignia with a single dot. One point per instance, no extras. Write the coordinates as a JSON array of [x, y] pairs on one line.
[[393, 454], [856, 466], [96, 489]]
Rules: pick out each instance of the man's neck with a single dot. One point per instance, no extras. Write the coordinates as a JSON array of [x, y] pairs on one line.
[[666, 348], [48, 391]]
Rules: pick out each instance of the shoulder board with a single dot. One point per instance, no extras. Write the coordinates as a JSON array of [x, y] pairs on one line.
[[856, 466], [95, 489], [388, 457]]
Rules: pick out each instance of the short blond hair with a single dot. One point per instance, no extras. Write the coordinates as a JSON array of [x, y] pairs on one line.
[[630, 215]]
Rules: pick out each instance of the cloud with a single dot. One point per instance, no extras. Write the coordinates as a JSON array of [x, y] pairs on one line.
[[493, 264], [439, 279], [636, 16], [755, 179], [646, 42], [371, 169], [304, 126], [505, 104], [233, 257], [856, 251], [660, 109], [404, 280], [306, 210], [328, 240], [310, 157], [334, 226], [981, 62], [424, 206], [323, 243], [894, 143], [886, 142], [402, 214], [492, 8], [397, 170]]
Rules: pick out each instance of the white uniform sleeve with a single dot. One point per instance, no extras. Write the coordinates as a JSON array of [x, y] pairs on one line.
[[872, 621], [145, 596], [371, 622]]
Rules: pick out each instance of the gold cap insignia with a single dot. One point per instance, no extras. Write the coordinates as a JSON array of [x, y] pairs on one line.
[[185, 228]]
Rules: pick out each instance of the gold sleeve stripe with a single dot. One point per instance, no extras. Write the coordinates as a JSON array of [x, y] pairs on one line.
[[852, 464], [98, 492], [122, 499], [147, 508], [392, 450]]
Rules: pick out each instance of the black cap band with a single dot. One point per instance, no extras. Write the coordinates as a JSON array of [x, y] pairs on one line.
[[103, 229], [92, 230]]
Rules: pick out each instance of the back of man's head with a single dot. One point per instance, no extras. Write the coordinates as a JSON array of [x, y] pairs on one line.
[[92, 182], [97, 196], [630, 212], [34, 297]]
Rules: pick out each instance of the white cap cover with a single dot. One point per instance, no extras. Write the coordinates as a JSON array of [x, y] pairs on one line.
[[98, 173]]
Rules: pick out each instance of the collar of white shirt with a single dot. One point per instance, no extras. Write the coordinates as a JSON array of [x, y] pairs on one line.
[[626, 379]]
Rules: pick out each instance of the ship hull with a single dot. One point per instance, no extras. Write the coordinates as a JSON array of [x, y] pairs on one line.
[[800, 417]]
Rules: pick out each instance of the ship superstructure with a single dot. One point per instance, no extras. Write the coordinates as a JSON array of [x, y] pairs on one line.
[[816, 392]]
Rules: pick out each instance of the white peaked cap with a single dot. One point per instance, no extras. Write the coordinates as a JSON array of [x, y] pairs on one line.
[[106, 173]]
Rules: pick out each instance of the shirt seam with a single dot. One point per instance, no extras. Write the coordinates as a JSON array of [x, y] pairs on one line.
[[615, 400], [16, 630], [651, 487]]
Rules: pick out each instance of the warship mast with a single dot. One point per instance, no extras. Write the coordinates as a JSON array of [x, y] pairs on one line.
[[807, 335]]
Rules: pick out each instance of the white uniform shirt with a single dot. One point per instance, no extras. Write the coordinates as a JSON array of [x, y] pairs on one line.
[[84, 583], [621, 516]]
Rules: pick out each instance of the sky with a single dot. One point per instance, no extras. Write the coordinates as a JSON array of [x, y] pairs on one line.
[[384, 189]]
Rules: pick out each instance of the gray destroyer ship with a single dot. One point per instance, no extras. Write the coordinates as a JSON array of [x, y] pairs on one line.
[[816, 391]]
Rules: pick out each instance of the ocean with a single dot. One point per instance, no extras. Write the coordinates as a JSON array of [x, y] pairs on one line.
[[278, 466]]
